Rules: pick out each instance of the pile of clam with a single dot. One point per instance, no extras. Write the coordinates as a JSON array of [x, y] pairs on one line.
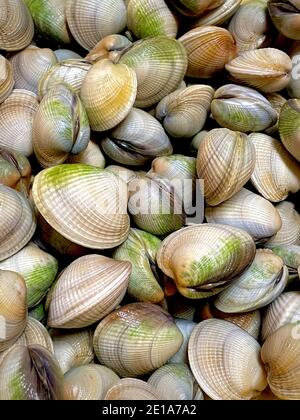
[[101, 299]]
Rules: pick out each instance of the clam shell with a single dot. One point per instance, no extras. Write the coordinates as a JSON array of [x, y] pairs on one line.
[[219, 15], [136, 339], [285, 16], [193, 8], [90, 21], [92, 155], [38, 313], [289, 125], [225, 361], [16, 119], [132, 389], [15, 170], [289, 253], [17, 222], [87, 290], [6, 78], [186, 327], [108, 47], [77, 201], [63, 54], [202, 259], [261, 283], [289, 234]]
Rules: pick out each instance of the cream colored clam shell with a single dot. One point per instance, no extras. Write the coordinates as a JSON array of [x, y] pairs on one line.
[[289, 234], [132, 389]]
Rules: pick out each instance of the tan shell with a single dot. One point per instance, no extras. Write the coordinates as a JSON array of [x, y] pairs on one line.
[[88, 290], [136, 339], [109, 47], [16, 119], [17, 222], [226, 160], [289, 234], [193, 8], [13, 308], [132, 389], [15, 170], [6, 78], [276, 173], [225, 361], [92, 155], [208, 48], [219, 15]]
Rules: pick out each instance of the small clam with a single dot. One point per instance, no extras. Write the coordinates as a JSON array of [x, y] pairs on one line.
[[16, 25], [16, 119], [186, 327], [6, 78], [289, 234], [247, 211], [60, 127], [30, 373], [160, 65], [13, 308], [151, 18], [136, 339], [108, 93], [108, 47], [137, 139], [15, 170], [90, 382], [285, 15], [30, 65], [17, 222], [196, 8], [89, 21], [38, 269], [281, 355], [276, 172], [92, 155], [226, 160], [85, 204], [218, 15], [261, 283], [208, 48], [72, 349], [140, 249], [133, 390], [202, 259], [283, 310], [225, 361], [184, 112], [175, 382], [267, 69], [289, 127], [49, 17], [242, 109]]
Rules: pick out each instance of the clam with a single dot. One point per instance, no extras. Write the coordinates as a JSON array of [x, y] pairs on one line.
[[226, 160], [17, 222], [225, 361], [37, 267], [49, 17], [277, 101], [137, 139], [247, 211], [261, 283], [281, 355], [290, 254], [186, 327], [108, 93], [208, 48], [15, 170], [16, 119], [132, 389], [160, 65], [71, 72], [267, 69], [196, 8], [197, 140], [108, 47], [16, 25], [13, 308], [202, 259], [289, 234], [136, 339], [87, 290], [124, 173], [293, 87], [63, 54], [285, 16], [6, 78], [89, 21], [175, 382], [250, 25], [92, 155], [283, 310], [140, 249], [218, 15], [155, 205], [90, 382], [85, 204], [73, 349], [276, 172], [30, 65], [38, 313], [60, 127], [242, 109], [289, 126], [30, 373], [184, 112], [151, 18]]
